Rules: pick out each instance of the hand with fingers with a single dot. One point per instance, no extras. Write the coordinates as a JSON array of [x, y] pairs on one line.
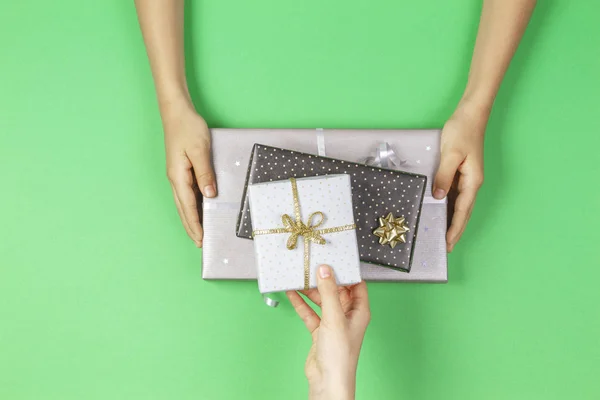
[[337, 335], [187, 143], [460, 174], [187, 138]]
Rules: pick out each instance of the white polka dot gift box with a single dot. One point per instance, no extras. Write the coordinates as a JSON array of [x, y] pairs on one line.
[[228, 257], [300, 224], [387, 203]]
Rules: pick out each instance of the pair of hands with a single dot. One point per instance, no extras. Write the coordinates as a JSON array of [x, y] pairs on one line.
[[460, 175]]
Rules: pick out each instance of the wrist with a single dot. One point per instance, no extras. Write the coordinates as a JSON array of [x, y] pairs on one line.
[[477, 107], [174, 100], [478, 112], [477, 100], [173, 109]]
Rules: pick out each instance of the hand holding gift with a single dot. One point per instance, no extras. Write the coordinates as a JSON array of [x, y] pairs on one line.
[[189, 169], [336, 337], [461, 167]]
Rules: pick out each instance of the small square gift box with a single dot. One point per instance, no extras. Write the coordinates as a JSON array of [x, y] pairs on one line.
[[299, 224]]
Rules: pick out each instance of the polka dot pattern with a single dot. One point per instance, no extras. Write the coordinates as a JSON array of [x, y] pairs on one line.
[[281, 269], [375, 193]]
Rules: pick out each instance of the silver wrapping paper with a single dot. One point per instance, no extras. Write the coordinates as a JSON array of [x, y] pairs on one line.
[[225, 256]]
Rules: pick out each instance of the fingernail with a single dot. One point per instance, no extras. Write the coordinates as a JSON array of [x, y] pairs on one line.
[[199, 244], [209, 191], [439, 193], [324, 271]]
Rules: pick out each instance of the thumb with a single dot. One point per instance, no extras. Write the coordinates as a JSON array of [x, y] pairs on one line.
[[203, 171], [328, 289], [449, 163]]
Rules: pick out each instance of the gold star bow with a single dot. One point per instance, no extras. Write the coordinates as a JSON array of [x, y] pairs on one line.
[[391, 230]]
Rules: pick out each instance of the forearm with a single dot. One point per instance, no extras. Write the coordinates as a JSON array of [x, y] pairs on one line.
[[161, 22], [333, 387], [332, 391], [501, 27]]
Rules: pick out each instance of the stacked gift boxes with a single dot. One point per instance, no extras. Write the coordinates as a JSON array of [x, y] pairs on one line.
[[399, 227], [376, 192]]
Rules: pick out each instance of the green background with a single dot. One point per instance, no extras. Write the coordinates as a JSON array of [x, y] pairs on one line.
[[100, 290]]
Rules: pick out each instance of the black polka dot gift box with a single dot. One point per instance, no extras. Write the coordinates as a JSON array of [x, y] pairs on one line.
[[386, 203]]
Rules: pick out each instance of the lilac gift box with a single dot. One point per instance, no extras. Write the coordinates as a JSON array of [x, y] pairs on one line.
[[225, 256]]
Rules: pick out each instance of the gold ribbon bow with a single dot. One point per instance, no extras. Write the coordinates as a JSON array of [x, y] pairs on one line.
[[298, 228], [308, 231], [391, 230]]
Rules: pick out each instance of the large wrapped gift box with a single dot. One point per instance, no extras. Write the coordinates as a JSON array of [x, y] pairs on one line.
[[225, 256], [300, 224], [387, 203]]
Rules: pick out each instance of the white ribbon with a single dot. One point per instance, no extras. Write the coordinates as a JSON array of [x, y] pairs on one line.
[[269, 301], [321, 142], [220, 205], [384, 157]]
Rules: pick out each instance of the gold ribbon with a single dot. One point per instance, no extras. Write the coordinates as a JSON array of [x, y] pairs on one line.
[[308, 231], [391, 230]]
